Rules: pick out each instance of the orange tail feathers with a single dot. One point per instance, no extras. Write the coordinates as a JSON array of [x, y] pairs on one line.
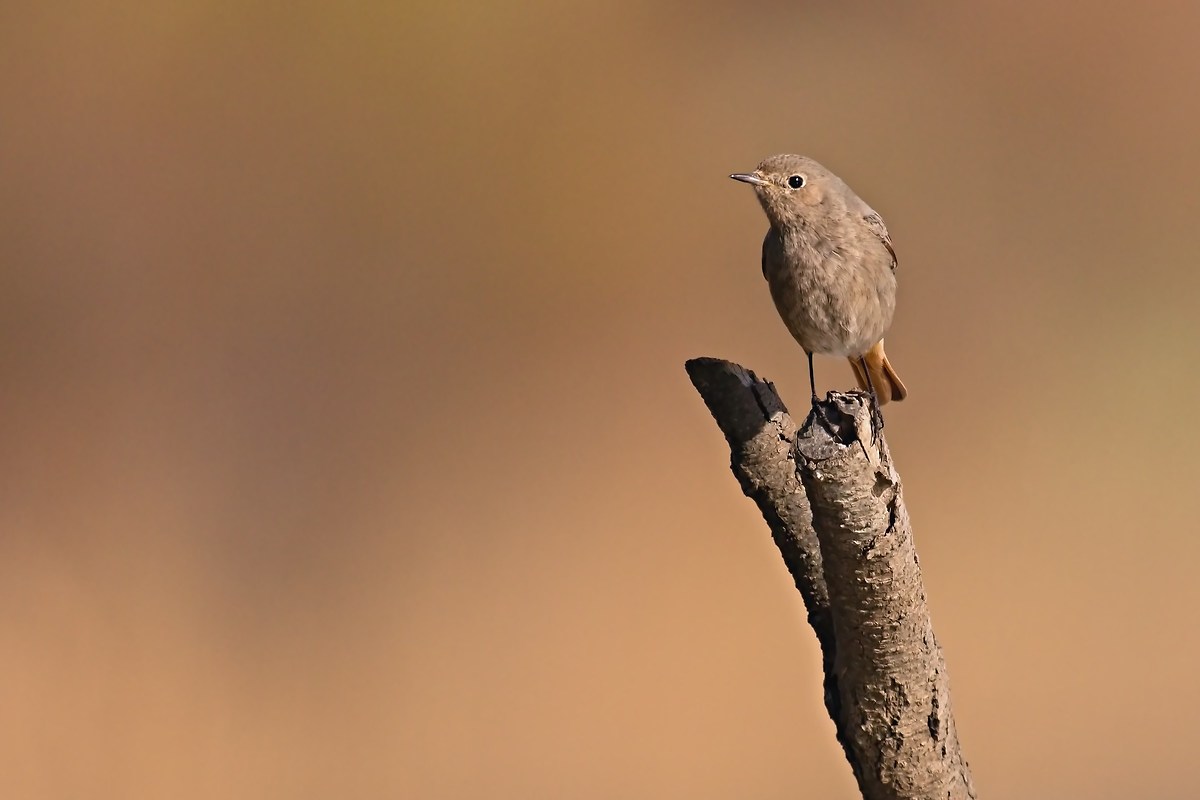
[[887, 383]]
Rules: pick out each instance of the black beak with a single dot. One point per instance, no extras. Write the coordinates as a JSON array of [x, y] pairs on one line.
[[752, 178]]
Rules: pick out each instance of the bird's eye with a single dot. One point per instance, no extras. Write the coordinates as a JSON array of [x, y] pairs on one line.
[[796, 181]]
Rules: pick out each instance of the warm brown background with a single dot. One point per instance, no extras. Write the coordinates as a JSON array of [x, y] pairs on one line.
[[347, 449]]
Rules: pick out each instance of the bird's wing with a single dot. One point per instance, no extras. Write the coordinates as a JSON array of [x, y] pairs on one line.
[[876, 226], [766, 245]]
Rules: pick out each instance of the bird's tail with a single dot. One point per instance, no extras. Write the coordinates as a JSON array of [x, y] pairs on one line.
[[887, 383]]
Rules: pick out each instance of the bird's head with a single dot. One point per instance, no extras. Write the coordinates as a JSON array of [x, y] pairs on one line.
[[792, 188]]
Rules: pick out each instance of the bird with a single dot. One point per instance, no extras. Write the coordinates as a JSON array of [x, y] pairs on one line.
[[830, 265]]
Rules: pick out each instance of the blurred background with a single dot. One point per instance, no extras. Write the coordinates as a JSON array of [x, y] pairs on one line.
[[347, 447]]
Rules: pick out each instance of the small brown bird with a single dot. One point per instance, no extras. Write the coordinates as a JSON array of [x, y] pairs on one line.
[[831, 268]]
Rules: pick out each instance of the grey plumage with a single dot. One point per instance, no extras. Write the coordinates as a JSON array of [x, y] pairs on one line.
[[830, 266]]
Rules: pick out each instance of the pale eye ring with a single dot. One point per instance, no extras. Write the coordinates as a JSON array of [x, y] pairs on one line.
[[796, 181]]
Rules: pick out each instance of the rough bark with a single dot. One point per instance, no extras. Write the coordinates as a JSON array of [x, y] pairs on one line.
[[833, 501]]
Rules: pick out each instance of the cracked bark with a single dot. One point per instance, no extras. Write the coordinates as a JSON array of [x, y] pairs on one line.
[[835, 507]]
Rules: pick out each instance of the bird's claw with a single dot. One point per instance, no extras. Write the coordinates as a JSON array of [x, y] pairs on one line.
[[876, 419], [819, 412]]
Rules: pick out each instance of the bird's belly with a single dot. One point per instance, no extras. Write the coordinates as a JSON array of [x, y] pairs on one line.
[[846, 322]]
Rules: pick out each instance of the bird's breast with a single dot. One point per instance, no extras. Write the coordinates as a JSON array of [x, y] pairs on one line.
[[833, 299]]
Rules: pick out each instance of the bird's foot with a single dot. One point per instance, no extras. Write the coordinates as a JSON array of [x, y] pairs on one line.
[[819, 412], [876, 418]]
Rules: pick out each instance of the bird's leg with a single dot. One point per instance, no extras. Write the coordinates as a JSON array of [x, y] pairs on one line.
[[817, 409], [873, 399], [812, 379]]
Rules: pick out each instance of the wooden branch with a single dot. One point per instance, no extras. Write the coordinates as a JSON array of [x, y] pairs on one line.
[[834, 504]]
